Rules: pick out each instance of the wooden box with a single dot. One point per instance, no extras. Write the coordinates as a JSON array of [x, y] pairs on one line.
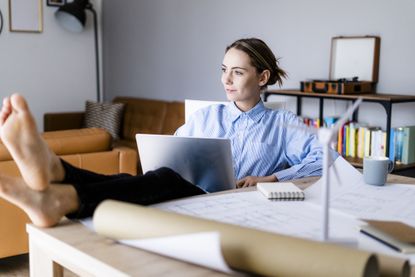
[[338, 87], [354, 67]]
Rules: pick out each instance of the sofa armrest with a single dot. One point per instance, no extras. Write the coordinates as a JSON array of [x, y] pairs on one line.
[[63, 121], [13, 237], [66, 142], [128, 158], [117, 160]]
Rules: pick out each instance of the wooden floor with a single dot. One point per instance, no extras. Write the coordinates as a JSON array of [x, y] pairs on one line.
[[18, 266], [15, 266]]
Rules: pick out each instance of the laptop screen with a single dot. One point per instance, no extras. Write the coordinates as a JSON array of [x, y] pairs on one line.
[[205, 162]]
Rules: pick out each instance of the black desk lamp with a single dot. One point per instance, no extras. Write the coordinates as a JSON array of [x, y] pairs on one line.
[[72, 17]]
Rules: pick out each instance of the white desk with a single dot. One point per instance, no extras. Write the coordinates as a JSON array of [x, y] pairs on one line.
[[73, 246]]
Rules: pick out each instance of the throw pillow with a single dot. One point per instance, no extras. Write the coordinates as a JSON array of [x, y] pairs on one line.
[[104, 115]]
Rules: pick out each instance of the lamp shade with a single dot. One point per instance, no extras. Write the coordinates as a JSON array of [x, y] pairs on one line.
[[72, 16]]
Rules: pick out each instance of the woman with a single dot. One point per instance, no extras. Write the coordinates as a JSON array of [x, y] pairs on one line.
[[264, 147], [263, 150]]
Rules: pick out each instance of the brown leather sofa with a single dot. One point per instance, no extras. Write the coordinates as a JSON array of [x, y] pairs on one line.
[[141, 115], [86, 148]]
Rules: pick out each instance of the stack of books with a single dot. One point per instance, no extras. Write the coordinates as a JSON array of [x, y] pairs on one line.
[[358, 140]]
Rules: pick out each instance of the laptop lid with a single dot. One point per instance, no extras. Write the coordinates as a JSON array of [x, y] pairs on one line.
[[205, 162]]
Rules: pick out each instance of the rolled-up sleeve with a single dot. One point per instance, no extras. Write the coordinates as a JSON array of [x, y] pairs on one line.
[[303, 152]]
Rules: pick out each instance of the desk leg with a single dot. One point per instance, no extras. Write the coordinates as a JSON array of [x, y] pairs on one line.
[[41, 264]]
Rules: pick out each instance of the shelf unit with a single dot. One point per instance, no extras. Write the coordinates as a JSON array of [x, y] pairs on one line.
[[386, 100]]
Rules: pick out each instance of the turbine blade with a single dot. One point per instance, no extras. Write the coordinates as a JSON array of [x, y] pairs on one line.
[[336, 173]]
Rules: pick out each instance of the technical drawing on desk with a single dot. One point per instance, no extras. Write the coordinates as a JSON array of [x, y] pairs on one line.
[[351, 195], [253, 210], [351, 200]]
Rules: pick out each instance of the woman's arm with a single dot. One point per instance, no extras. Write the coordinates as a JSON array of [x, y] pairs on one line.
[[303, 152], [253, 180]]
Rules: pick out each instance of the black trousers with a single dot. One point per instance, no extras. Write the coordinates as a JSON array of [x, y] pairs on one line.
[[153, 187]]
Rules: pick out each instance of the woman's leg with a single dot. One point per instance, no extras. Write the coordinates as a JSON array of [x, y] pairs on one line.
[[37, 163], [153, 187], [45, 208]]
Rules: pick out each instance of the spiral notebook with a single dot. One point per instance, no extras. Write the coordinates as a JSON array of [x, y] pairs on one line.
[[281, 191]]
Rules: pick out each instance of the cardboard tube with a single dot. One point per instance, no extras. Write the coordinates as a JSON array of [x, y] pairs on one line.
[[243, 249], [392, 266]]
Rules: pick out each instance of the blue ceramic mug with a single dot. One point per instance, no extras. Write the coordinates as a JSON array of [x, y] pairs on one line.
[[376, 169]]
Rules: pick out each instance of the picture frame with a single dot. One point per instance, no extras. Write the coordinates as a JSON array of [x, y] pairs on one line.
[[55, 3], [25, 16]]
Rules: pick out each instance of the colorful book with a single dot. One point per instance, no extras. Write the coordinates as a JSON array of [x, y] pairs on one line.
[[329, 121], [352, 139], [347, 140], [408, 145], [392, 145], [373, 143], [361, 142], [367, 142], [398, 144], [340, 141], [383, 143], [377, 143]]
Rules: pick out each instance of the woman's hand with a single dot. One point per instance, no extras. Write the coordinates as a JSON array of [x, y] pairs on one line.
[[250, 181]]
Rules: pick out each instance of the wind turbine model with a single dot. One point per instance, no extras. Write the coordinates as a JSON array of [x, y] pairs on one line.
[[325, 136]]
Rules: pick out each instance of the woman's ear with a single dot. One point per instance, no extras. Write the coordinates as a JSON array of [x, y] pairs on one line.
[[264, 77]]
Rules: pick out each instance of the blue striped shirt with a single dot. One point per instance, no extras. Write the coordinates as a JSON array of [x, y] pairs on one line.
[[261, 142]]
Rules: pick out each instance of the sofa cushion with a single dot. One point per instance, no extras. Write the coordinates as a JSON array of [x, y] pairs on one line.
[[71, 141], [174, 118], [142, 116], [104, 115]]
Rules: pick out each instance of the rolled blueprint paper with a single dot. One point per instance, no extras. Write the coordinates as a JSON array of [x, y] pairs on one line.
[[243, 248], [391, 266]]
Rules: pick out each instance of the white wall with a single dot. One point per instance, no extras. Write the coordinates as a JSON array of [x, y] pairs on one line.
[[173, 49], [54, 70]]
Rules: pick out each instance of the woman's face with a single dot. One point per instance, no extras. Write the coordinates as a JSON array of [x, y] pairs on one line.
[[240, 79]]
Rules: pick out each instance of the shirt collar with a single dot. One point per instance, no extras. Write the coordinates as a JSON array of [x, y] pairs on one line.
[[255, 114]]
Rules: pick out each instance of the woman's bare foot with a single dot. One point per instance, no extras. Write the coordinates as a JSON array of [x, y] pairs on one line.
[[38, 165], [45, 208]]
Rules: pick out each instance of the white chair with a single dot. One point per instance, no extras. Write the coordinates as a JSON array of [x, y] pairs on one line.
[[190, 105], [275, 105]]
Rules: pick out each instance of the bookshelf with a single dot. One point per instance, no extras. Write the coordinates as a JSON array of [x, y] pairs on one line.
[[385, 100]]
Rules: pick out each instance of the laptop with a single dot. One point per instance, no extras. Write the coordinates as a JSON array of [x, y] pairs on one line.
[[205, 162]]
